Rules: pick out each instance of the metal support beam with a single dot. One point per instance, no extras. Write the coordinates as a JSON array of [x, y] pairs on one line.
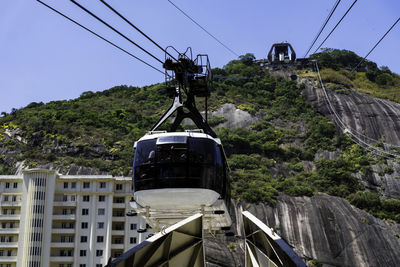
[[178, 245], [264, 248]]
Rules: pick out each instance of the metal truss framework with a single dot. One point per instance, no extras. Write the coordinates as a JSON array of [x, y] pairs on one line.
[[178, 245], [264, 247]]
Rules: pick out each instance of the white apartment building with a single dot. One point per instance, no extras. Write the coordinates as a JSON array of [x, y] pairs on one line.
[[53, 220]]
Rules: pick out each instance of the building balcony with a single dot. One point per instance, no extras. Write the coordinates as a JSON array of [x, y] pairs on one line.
[[117, 246], [117, 232], [11, 203], [118, 205], [12, 190], [8, 258], [62, 244], [9, 244], [9, 230], [62, 259], [118, 218], [64, 217], [60, 203], [63, 231], [123, 193], [10, 217]]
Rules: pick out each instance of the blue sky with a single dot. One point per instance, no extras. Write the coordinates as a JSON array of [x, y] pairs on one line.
[[44, 57]]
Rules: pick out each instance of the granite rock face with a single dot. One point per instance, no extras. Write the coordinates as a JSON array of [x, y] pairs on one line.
[[376, 119], [328, 228], [333, 231], [375, 122], [235, 118], [321, 227]]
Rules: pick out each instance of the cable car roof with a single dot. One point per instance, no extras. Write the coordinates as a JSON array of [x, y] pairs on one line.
[[193, 134]]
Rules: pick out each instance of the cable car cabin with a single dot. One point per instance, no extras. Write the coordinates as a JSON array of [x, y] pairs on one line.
[[281, 53], [179, 174]]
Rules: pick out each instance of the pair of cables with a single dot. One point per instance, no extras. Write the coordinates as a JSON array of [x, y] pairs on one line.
[[115, 30], [337, 24], [124, 36]]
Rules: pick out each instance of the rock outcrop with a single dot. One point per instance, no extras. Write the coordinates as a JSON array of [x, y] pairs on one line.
[[235, 118], [375, 121], [322, 227]]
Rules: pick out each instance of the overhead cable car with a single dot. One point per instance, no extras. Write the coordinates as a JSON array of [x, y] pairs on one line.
[[178, 174]]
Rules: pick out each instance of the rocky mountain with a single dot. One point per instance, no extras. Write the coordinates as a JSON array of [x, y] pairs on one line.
[[328, 182], [326, 230]]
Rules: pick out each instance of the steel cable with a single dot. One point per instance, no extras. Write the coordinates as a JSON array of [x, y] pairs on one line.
[[115, 30], [99, 36], [136, 28], [201, 27], [323, 27]]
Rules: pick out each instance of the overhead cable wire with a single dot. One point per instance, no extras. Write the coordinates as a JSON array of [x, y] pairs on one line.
[[334, 28], [99, 36], [136, 28], [361, 61], [115, 30], [354, 131], [323, 26], [201, 27], [349, 131]]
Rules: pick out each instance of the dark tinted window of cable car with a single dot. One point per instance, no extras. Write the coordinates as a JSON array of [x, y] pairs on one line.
[[179, 163]]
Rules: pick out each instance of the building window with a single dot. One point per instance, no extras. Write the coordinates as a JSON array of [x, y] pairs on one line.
[[7, 185], [118, 186], [99, 265], [102, 198], [85, 198], [65, 198], [101, 211], [82, 253], [99, 252], [133, 240], [14, 198], [5, 198], [73, 198], [119, 200], [133, 226], [100, 239], [85, 211], [100, 225], [86, 185], [102, 184], [84, 225], [73, 185], [118, 240], [83, 239], [15, 185], [82, 265], [65, 185]]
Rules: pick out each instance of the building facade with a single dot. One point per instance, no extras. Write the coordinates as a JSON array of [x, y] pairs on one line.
[[53, 220]]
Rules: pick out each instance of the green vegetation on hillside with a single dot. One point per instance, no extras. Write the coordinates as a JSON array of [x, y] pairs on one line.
[[98, 130], [369, 78]]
